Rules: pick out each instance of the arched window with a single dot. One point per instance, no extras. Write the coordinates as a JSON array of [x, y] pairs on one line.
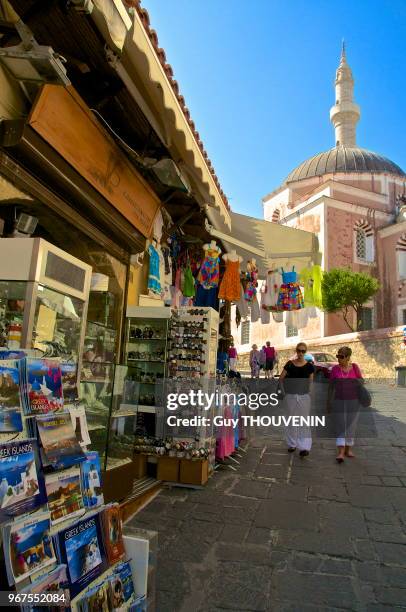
[[401, 256], [276, 215], [364, 241]]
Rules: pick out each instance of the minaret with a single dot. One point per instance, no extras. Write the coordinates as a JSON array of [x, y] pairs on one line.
[[345, 114]]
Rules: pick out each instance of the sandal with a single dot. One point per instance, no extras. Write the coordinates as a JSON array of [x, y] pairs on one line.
[[340, 459]]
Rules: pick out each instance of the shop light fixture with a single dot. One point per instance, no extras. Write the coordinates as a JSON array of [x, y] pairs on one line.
[[24, 225], [169, 174], [30, 62]]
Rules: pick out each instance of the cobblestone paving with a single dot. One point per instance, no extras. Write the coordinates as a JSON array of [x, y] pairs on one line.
[[290, 534]]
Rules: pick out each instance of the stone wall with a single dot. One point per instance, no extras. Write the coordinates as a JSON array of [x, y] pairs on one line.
[[377, 352]]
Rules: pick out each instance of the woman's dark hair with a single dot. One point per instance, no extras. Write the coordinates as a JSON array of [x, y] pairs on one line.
[[346, 351]]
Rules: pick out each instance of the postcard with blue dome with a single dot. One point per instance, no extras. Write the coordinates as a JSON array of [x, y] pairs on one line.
[[44, 386], [22, 487]]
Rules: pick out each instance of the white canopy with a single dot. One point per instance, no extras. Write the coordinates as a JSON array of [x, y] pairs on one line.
[[271, 244]]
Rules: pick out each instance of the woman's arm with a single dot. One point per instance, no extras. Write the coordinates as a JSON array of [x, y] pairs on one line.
[[281, 380]]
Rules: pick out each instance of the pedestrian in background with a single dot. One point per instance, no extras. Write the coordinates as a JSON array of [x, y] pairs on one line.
[[270, 355], [343, 401], [255, 361], [262, 359], [295, 381], [232, 357]]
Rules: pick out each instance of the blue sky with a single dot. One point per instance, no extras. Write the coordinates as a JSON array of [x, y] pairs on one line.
[[258, 79]]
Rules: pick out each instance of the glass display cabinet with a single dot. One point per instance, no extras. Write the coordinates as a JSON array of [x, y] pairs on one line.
[[101, 328], [146, 356], [43, 298]]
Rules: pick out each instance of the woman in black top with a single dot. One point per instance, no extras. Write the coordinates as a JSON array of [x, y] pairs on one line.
[[296, 380]]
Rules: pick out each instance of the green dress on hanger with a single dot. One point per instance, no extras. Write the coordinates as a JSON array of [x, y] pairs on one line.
[[188, 283]]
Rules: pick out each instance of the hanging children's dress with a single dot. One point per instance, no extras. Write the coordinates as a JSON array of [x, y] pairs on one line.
[[265, 314], [242, 304], [208, 278], [230, 287], [154, 283], [188, 283], [290, 294], [273, 285], [250, 292]]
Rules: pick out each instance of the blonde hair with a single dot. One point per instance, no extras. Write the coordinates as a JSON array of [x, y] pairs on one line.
[[301, 344]]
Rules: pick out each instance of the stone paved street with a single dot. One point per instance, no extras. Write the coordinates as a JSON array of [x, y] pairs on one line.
[[284, 533]]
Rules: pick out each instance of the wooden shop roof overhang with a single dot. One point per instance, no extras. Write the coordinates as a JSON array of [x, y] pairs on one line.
[[120, 87], [271, 244]]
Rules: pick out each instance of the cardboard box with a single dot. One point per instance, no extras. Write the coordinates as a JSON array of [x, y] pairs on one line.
[[168, 469], [194, 471], [140, 465]]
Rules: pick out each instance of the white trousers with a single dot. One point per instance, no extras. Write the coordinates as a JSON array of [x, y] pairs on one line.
[[298, 437], [232, 363], [346, 413]]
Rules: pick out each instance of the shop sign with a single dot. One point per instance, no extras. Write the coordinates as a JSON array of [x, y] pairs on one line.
[[62, 118]]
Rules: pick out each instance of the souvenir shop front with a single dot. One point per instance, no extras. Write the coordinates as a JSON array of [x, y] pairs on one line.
[[64, 442], [201, 283], [76, 377]]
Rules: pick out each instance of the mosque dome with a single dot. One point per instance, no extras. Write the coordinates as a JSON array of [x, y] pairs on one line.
[[343, 158]]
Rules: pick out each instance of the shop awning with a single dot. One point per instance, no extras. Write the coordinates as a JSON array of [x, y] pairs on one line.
[[271, 244]]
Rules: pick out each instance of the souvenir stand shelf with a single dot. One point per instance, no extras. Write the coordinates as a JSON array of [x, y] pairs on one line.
[[192, 354], [43, 298], [59, 539]]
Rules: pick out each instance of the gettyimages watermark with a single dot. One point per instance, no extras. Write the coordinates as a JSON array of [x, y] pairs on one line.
[[188, 405], [206, 402]]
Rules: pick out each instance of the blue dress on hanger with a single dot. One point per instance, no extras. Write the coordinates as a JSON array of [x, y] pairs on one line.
[[154, 283]]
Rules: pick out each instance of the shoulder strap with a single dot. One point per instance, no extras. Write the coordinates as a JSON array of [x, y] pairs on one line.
[[293, 268]]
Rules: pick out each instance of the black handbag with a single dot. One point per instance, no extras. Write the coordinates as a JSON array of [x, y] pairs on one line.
[[364, 396]]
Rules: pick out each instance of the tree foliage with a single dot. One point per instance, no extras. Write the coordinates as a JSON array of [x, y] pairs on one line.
[[344, 290]]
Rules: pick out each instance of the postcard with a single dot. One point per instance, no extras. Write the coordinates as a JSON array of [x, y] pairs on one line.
[[11, 403], [69, 371], [113, 533], [121, 586], [98, 598], [28, 547], [59, 444], [54, 582], [81, 548], [91, 480], [64, 495], [21, 481], [79, 424], [44, 386]]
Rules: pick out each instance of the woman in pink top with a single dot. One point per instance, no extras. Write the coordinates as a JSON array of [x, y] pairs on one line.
[[232, 357], [270, 355], [343, 402]]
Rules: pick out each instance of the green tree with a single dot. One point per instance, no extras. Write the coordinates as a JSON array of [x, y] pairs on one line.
[[344, 290]]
